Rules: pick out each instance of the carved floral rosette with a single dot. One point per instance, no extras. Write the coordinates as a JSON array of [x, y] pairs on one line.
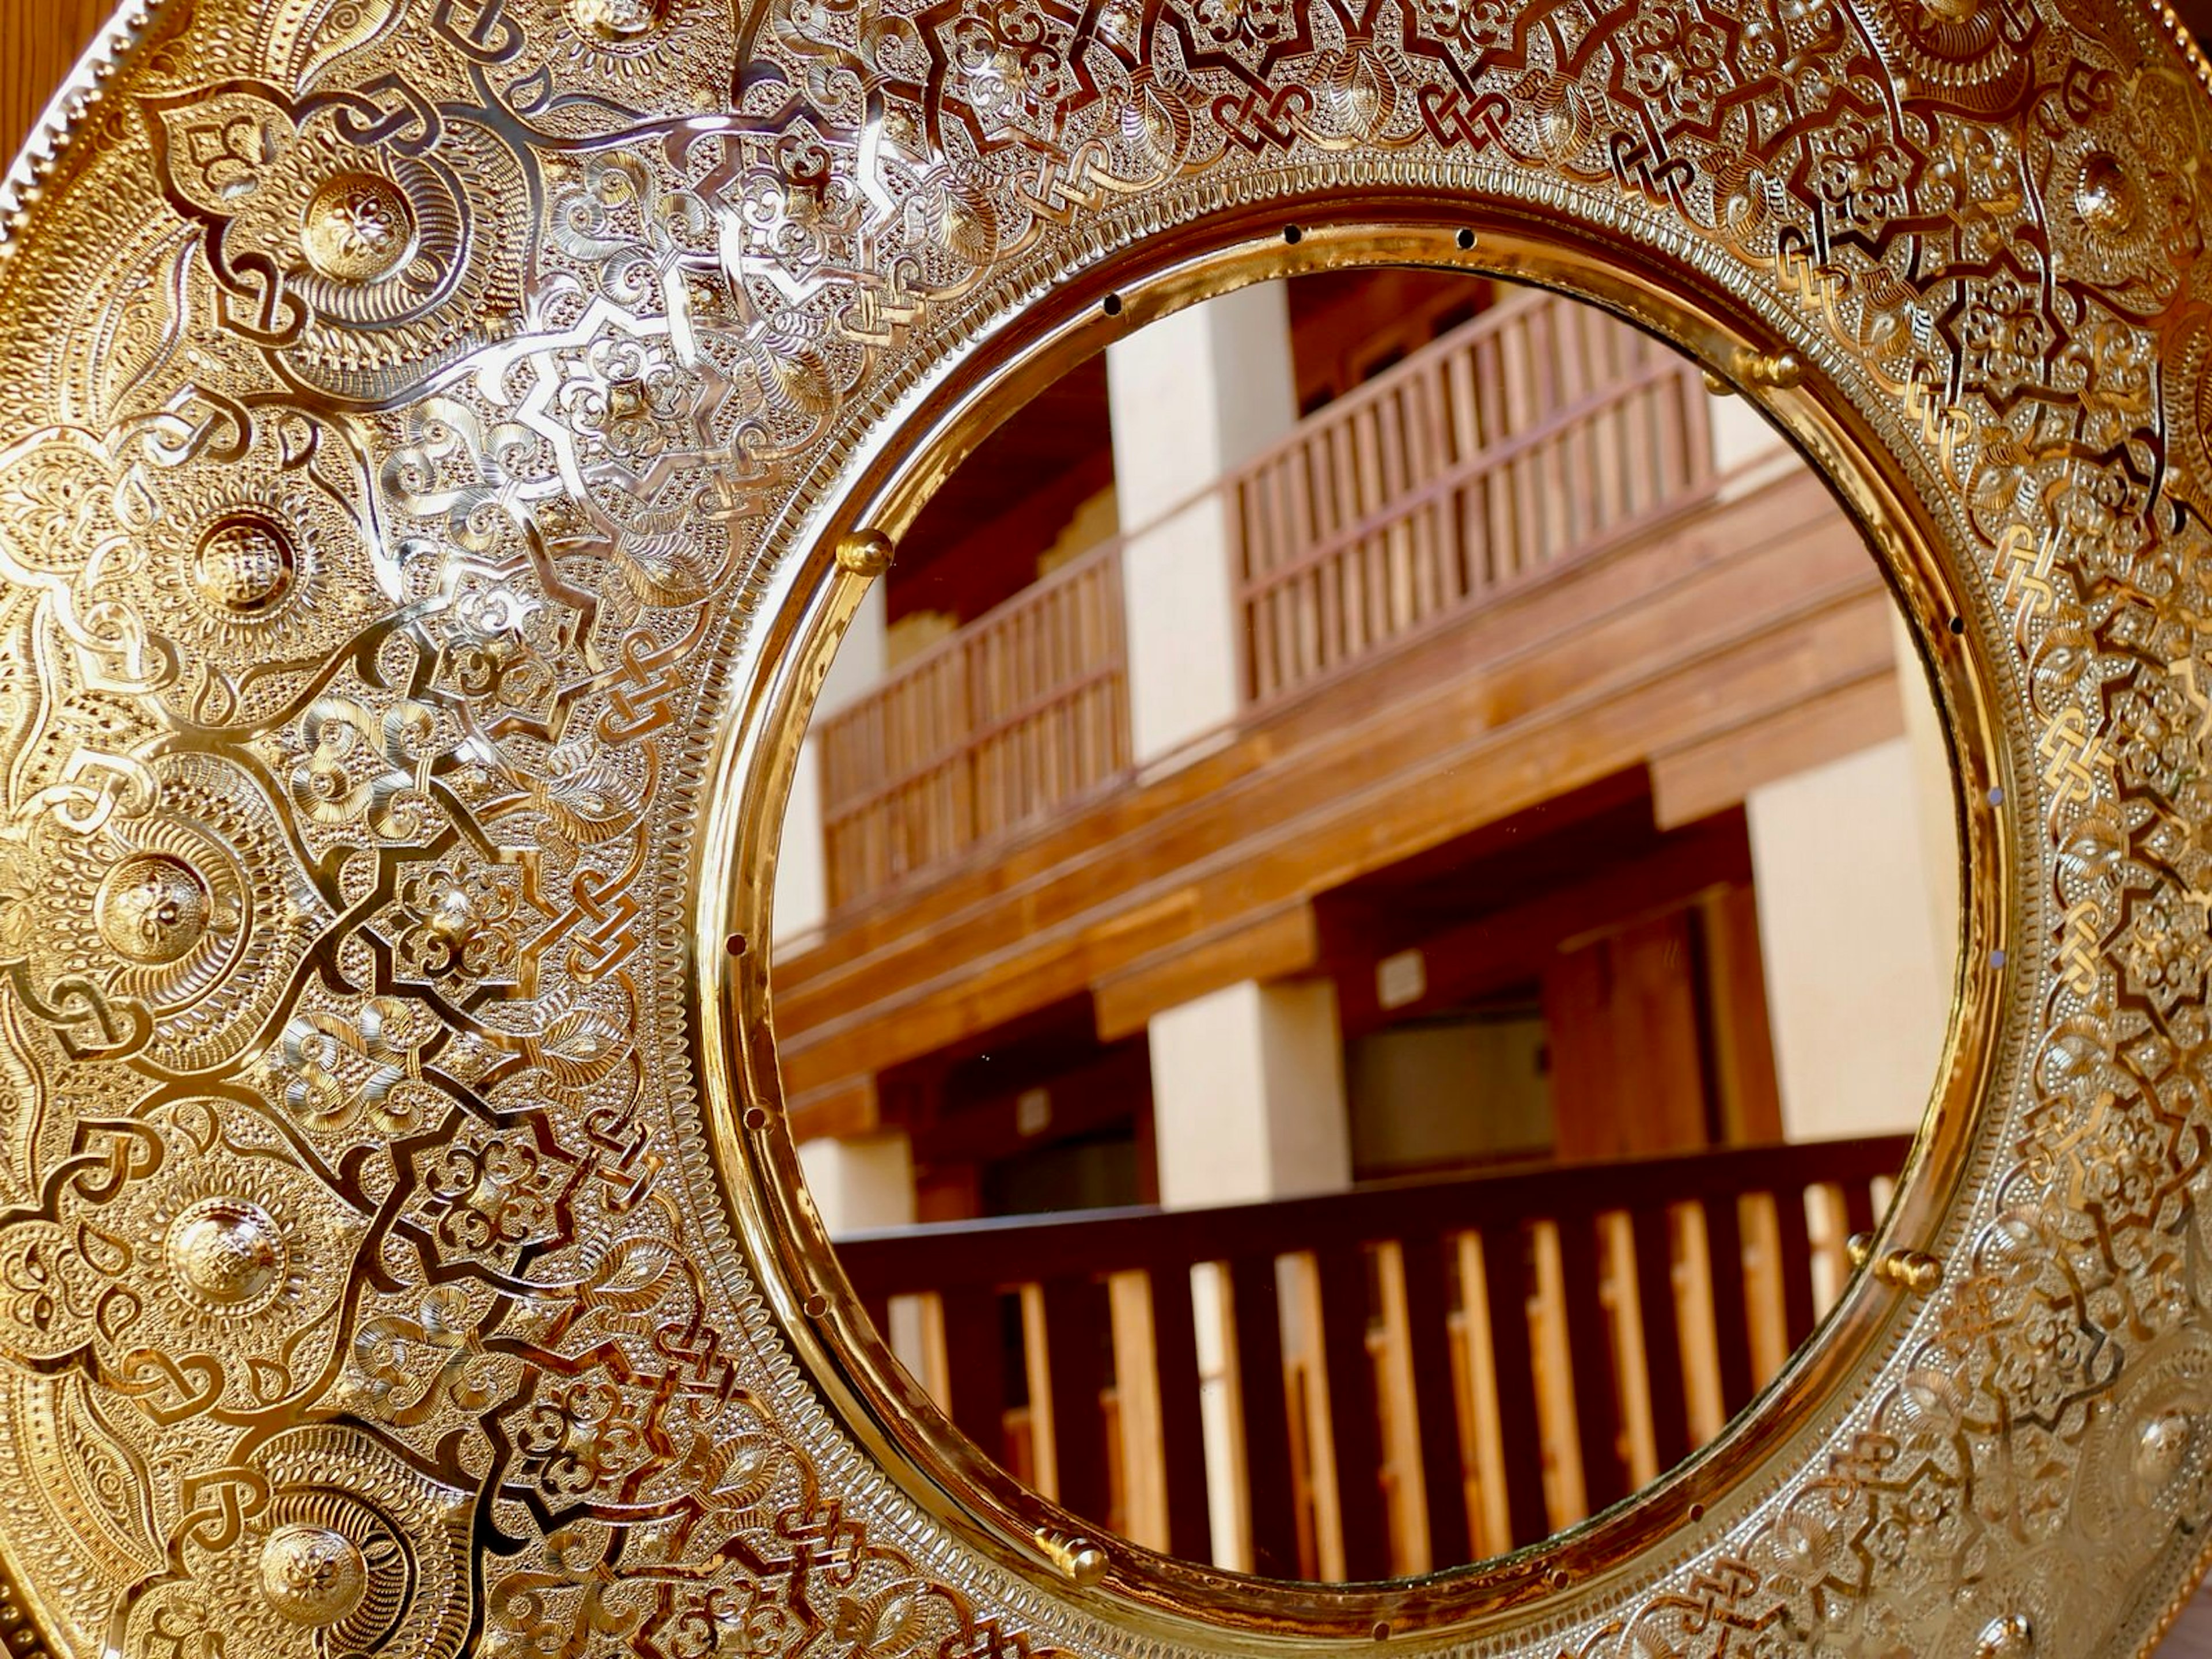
[[424, 424]]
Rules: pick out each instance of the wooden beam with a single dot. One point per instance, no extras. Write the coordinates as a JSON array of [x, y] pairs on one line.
[[1110, 1090], [848, 1106], [1517, 944], [40, 40], [1466, 677], [1271, 946], [1721, 771]]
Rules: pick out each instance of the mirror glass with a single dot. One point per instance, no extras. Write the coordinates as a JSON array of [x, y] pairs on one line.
[[1367, 909]]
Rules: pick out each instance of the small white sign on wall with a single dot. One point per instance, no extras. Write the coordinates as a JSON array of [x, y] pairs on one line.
[[1401, 979]]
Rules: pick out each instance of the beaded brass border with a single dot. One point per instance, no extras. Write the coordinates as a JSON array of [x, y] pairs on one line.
[[430, 431]]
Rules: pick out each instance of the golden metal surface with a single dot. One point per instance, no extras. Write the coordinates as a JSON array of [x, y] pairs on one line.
[[439, 443]]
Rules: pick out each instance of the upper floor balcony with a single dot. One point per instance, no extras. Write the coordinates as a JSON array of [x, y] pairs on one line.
[[1539, 434]]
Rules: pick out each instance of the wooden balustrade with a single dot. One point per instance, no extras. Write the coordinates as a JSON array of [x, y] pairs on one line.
[[1540, 431], [1016, 714], [1403, 1375]]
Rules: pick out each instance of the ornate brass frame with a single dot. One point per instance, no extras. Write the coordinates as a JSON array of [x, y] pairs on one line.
[[443, 441]]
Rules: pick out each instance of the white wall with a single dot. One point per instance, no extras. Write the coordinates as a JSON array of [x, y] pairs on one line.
[[802, 876], [864, 1182], [1191, 397], [1858, 982], [1747, 445], [1935, 792]]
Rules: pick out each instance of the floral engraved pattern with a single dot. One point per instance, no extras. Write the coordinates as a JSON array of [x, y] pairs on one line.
[[409, 410]]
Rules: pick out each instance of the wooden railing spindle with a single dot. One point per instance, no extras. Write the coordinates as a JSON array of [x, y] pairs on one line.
[[1444, 1457], [1653, 1230], [1256, 1348], [1354, 1415]]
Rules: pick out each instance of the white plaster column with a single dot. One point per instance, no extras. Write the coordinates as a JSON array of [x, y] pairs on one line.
[[1191, 397], [1248, 1103], [802, 872], [1935, 792], [860, 1183], [1248, 1095], [1748, 452], [1858, 983]]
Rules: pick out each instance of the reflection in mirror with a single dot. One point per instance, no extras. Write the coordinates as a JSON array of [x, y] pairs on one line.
[[1367, 909]]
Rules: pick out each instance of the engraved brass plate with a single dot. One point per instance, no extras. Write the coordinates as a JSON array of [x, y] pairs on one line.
[[431, 428]]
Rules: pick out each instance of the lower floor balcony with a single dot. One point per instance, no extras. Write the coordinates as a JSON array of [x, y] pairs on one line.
[[1368, 1384]]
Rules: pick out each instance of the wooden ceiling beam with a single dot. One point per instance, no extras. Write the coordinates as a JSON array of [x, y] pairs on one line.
[[1717, 772], [1273, 945]]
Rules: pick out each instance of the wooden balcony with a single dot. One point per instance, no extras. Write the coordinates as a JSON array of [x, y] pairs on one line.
[[1541, 431], [1018, 714], [1399, 1377]]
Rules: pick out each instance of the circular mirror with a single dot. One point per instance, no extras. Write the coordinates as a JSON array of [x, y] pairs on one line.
[[1364, 925]]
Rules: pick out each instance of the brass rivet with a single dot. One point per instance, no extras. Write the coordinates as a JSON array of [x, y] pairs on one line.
[[865, 552], [153, 909], [1859, 1247], [245, 563], [1909, 1270], [618, 19], [311, 1576], [357, 228], [1076, 1559], [1779, 370]]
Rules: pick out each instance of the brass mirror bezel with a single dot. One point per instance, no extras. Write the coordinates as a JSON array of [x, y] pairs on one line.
[[895, 469], [944, 1529]]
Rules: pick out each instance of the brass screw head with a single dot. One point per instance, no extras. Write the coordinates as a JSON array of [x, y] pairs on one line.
[[865, 552], [1909, 1270], [1778, 370], [1077, 1560]]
